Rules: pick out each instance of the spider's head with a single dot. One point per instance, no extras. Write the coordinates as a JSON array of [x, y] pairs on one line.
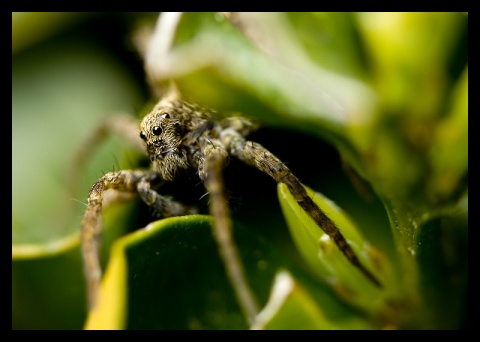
[[163, 130]]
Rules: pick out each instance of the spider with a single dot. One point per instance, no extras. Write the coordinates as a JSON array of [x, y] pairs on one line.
[[182, 136]]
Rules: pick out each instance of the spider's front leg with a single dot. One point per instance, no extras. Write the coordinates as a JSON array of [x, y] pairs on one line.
[[259, 157], [125, 181], [129, 181], [214, 162]]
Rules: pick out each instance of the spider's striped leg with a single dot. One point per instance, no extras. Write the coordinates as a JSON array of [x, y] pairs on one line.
[[214, 163], [91, 227], [163, 206], [259, 157]]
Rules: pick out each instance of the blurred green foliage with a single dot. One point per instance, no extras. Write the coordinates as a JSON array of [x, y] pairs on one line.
[[371, 109]]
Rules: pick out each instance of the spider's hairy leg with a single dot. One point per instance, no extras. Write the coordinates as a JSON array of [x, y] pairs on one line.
[[259, 157], [215, 159], [163, 206], [91, 226]]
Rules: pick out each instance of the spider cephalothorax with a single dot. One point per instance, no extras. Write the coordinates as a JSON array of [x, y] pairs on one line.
[[176, 134]]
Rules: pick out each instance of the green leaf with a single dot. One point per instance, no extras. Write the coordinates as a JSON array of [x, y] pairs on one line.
[[291, 307], [327, 261], [169, 276], [443, 266], [48, 286]]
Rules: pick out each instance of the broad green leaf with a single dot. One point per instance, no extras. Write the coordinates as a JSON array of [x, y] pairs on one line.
[[169, 276], [267, 75], [48, 286]]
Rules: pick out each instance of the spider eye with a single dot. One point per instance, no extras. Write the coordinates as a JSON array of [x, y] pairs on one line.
[[165, 116], [143, 136], [157, 130]]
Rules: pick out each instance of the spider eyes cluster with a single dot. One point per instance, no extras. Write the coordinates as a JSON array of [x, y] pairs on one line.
[[156, 130]]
